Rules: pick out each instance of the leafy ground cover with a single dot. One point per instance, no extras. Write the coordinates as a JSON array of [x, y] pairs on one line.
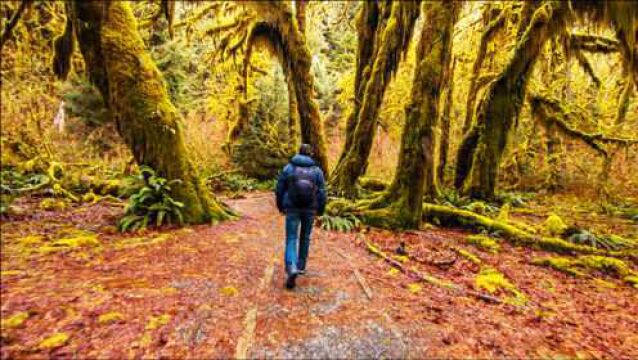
[[74, 286]]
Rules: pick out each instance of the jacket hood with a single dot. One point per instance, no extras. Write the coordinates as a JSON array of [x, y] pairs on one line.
[[302, 161]]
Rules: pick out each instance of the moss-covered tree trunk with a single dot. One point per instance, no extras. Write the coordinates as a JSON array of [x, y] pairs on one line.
[[416, 175], [486, 36], [368, 19], [501, 105], [137, 97], [279, 26], [446, 121], [391, 44]]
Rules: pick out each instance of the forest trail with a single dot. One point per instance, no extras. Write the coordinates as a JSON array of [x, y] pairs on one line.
[[217, 291]]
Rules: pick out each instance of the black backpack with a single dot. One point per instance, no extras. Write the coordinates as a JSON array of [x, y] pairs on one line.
[[302, 189]]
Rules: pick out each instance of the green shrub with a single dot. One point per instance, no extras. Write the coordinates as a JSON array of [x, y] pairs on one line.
[[152, 204], [343, 223]]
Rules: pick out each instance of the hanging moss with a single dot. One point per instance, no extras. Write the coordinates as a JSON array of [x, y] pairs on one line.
[[551, 114], [276, 25], [415, 174], [486, 37], [499, 110], [391, 42], [137, 97]]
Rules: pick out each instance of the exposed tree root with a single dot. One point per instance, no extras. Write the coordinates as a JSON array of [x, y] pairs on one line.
[[581, 266], [375, 212], [429, 278]]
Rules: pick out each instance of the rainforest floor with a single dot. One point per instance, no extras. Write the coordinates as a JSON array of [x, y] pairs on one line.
[[73, 286]]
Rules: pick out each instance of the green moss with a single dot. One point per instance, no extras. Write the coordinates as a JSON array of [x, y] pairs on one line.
[[504, 212], [133, 242], [14, 321], [155, 322], [494, 281], [560, 264], [52, 204], [54, 341], [632, 279], [110, 318], [136, 93], [484, 242], [554, 225], [451, 216], [74, 239], [605, 264], [583, 265], [469, 256]]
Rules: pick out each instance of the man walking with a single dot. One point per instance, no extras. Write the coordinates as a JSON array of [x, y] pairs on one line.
[[301, 194]]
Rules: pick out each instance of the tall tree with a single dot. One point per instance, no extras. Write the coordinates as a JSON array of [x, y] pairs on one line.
[[481, 151], [276, 24], [136, 95], [415, 176], [391, 42], [368, 20]]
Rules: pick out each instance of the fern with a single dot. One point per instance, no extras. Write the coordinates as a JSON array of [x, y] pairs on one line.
[[152, 204], [345, 223]]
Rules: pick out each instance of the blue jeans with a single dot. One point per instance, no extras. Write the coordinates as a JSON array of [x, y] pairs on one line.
[[293, 220]]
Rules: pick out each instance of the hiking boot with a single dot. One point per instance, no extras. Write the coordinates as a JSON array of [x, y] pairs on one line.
[[290, 281]]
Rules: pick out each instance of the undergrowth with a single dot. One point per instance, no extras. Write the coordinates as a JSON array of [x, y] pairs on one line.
[[152, 204]]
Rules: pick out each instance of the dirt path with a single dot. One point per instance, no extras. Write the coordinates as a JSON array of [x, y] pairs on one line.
[[217, 291]]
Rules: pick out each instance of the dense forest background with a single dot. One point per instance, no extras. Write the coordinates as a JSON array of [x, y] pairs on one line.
[[202, 64], [485, 150]]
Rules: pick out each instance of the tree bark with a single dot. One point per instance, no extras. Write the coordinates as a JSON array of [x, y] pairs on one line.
[[277, 24], [487, 36], [392, 44], [416, 174], [368, 20], [444, 145], [499, 110], [136, 95]]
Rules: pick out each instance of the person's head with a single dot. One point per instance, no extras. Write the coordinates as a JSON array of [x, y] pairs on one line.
[[306, 149]]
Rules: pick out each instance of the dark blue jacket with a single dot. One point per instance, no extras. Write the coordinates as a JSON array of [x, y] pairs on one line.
[[283, 201]]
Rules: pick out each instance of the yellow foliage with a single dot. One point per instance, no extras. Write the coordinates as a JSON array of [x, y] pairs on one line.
[[484, 242], [75, 240], [4, 273], [493, 280], [503, 214], [54, 341], [468, 255], [581, 265], [554, 225], [110, 317], [229, 291], [140, 241], [52, 204], [414, 288], [14, 320], [393, 271], [157, 321]]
